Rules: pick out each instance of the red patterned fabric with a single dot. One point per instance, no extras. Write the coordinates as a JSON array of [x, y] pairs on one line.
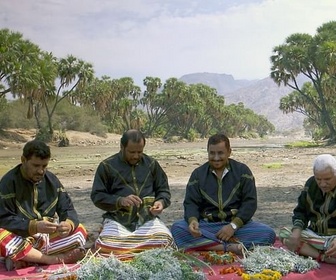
[[326, 272], [17, 247]]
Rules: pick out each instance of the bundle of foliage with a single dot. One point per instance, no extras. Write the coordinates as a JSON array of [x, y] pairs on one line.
[[276, 259], [163, 264]]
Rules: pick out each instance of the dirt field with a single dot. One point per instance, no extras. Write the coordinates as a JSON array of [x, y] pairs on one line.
[[280, 172]]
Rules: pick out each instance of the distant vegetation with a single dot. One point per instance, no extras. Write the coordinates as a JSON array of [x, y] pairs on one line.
[[273, 165], [169, 123], [315, 58], [63, 93], [303, 144]]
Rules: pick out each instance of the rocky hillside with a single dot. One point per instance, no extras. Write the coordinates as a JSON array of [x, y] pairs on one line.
[[262, 96]]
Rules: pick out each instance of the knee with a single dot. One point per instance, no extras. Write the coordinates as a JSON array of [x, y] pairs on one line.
[[271, 233], [178, 226], [270, 230]]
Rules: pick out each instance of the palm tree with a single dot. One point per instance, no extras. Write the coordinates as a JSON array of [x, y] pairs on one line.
[[313, 57]]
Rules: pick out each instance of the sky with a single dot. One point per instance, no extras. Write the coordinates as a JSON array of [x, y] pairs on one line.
[[166, 38]]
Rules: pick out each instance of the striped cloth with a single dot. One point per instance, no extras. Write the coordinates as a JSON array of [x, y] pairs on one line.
[[252, 233], [17, 247], [319, 242], [117, 239]]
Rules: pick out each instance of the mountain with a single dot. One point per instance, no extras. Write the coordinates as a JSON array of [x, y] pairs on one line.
[[223, 83], [262, 96]]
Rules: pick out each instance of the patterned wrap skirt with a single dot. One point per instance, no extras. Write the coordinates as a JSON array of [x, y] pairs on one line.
[[319, 242], [251, 234], [17, 247], [117, 239]]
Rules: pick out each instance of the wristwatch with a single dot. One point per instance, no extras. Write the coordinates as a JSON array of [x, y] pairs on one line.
[[234, 226]]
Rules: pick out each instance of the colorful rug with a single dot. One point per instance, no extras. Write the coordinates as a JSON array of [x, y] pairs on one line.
[[325, 272], [39, 272]]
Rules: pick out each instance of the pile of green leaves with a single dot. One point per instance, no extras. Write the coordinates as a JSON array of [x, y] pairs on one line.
[[277, 259], [148, 265]]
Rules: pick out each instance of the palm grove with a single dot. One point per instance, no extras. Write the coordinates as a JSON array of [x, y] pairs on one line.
[[58, 94]]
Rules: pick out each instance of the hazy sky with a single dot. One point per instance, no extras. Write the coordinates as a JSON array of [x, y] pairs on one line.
[[166, 38]]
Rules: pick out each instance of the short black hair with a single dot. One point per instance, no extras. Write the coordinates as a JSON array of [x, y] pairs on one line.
[[133, 135], [36, 148], [218, 138]]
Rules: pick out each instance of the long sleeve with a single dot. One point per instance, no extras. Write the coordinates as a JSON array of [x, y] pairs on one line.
[[102, 194], [23, 201], [305, 211], [193, 198], [115, 178], [161, 186], [232, 197], [65, 208], [9, 218], [248, 202]]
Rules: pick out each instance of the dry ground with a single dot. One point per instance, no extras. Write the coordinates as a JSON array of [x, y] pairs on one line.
[[280, 172]]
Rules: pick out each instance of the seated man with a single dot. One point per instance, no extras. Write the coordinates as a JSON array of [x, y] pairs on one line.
[[219, 203], [38, 223], [314, 217], [133, 190]]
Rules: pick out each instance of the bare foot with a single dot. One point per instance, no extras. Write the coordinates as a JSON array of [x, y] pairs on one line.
[[72, 256], [286, 242], [326, 259], [292, 246], [14, 265], [235, 248]]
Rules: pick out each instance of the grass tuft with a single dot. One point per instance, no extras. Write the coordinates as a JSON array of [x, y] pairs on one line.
[[273, 165], [302, 144]]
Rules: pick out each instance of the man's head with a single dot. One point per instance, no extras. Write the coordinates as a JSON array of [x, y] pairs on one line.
[[324, 169], [35, 158], [132, 144], [219, 151]]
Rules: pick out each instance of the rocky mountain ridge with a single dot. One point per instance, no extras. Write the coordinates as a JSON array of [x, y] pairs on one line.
[[262, 96]]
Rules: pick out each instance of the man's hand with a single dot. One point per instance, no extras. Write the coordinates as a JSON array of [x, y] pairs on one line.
[[225, 233], [44, 226], [194, 229], [64, 229], [157, 208], [131, 200]]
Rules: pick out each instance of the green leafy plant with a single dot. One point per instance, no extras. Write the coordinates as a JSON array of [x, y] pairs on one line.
[[162, 263], [302, 144], [273, 165]]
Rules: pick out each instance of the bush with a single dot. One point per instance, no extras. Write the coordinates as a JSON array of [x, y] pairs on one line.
[[16, 115], [66, 117], [4, 113]]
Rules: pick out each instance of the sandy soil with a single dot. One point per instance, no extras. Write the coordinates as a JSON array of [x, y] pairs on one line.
[[280, 172]]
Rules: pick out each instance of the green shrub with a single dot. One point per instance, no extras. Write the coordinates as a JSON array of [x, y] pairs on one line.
[[302, 144], [273, 165]]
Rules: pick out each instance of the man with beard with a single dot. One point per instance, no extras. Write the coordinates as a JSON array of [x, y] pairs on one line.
[[219, 204], [133, 190], [38, 222]]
